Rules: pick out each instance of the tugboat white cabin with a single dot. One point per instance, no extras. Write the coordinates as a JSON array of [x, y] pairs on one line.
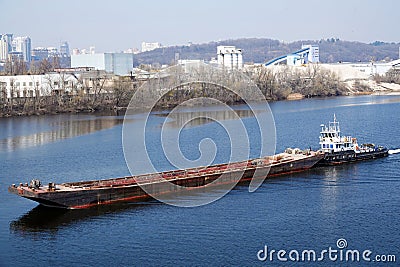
[[331, 141], [340, 149]]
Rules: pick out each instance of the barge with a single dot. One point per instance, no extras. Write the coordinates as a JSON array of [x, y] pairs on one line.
[[339, 149], [335, 149], [78, 195]]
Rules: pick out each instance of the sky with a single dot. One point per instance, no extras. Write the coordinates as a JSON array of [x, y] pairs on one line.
[[117, 25]]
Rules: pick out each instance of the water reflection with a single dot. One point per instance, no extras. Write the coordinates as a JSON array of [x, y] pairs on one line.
[[196, 118], [313, 104], [43, 219], [60, 130], [334, 179], [374, 101]]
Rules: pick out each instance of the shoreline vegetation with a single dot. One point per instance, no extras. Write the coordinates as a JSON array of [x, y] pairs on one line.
[[275, 84]]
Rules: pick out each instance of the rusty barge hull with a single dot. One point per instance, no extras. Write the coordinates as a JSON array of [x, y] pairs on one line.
[[80, 195]]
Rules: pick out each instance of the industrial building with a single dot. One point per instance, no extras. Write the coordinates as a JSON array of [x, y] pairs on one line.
[[307, 54], [312, 55], [116, 63], [229, 57]]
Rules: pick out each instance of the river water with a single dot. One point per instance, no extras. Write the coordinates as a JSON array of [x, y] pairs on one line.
[[310, 210]]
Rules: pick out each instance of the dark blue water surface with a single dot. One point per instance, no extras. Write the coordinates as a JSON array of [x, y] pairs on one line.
[[310, 210]]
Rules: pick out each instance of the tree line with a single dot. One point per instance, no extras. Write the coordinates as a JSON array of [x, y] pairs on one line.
[[392, 76], [310, 81], [85, 96], [94, 94], [17, 66]]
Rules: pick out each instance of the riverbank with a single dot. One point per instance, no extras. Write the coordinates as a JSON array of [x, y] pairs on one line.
[[112, 110], [45, 111]]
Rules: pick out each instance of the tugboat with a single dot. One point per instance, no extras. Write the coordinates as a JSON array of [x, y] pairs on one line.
[[339, 149]]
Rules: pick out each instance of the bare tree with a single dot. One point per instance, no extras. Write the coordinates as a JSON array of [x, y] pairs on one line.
[[13, 92], [93, 84], [392, 76], [3, 96], [45, 66], [15, 66], [310, 81], [122, 92]]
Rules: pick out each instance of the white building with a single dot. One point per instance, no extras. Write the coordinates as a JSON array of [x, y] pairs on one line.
[[150, 46], [294, 60], [361, 71], [117, 63], [190, 64], [229, 57], [313, 55], [377, 68], [37, 85], [23, 45], [5, 45]]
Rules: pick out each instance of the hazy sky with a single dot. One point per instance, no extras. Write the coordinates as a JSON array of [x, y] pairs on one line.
[[118, 25]]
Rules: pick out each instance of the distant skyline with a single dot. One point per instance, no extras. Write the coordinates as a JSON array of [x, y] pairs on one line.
[[120, 25]]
